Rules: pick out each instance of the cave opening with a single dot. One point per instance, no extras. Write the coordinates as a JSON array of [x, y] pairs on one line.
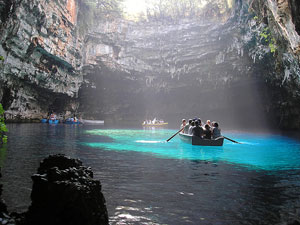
[[7, 98]]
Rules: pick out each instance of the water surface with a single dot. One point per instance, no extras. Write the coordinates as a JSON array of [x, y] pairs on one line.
[[146, 180]]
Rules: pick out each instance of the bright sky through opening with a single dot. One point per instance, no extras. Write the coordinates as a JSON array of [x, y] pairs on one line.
[[134, 7]]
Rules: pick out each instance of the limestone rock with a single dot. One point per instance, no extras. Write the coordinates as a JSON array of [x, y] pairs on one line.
[[64, 193], [42, 56]]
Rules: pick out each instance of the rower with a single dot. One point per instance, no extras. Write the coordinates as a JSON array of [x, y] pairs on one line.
[[182, 125]]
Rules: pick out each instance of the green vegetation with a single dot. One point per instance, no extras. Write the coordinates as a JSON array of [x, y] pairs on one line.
[[174, 10], [104, 8], [1, 58], [268, 39], [93, 11], [3, 128]]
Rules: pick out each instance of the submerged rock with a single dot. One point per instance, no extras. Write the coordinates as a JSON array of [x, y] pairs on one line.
[[64, 192]]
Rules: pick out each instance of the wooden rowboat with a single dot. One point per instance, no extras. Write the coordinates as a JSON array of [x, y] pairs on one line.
[[194, 140]]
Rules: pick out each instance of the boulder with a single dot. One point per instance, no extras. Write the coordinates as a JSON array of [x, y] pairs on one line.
[[64, 192]]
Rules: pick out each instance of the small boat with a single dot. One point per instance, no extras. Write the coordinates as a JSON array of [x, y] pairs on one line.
[[154, 124], [44, 120], [194, 140], [53, 121], [94, 122], [72, 122]]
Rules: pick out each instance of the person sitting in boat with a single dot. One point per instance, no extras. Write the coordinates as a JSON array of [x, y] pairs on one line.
[[52, 116], [154, 121], [182, 126], [190, 132], [208, 123], [187, 126], [216, 132], [207, 132], [197, 130]]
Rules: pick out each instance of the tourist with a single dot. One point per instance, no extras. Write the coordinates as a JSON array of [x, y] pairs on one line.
[[190, 132], [207, 132], [197, 130], [182, 126], [186, 128], [208, 123], [216, 132], [200, 122], [52, 116], [154, 121]]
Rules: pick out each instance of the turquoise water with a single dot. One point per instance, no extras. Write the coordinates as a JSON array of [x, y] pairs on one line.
[[257, 151], [146, 180]]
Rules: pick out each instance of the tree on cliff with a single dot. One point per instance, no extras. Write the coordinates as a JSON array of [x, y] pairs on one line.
[[91, 11], [175, 9], [105, 8]]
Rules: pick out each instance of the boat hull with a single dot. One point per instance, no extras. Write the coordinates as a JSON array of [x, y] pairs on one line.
[[155, 125], [53, 121], [93, 122], [44, 120], [72, 122], [194, 140]]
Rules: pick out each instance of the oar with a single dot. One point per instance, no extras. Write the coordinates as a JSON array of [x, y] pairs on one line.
[[175, 134], [232, 140]]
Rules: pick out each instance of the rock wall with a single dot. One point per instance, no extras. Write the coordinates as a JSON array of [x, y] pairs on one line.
[[244, 71], [42, 57], [280, 21], [191, 68]]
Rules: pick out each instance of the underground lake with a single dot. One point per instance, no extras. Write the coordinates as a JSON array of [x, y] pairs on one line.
[[147, 180]]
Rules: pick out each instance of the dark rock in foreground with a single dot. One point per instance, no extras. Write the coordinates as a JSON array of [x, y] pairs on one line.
[[64, 192], [4, 218]]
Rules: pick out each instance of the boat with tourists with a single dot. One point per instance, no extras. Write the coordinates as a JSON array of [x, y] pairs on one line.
[[55, 121], [154, 123], [50, 121], [195, 140], [72, 120]]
